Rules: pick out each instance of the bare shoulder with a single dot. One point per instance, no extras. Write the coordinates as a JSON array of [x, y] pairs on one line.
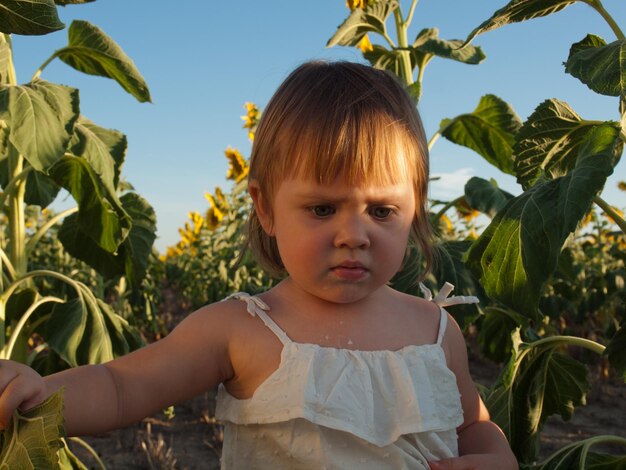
[[424, 313]]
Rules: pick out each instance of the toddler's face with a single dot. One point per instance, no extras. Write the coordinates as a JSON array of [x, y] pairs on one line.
[[340, 242]]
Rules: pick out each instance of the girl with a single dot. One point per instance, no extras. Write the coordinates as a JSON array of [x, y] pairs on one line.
[[332, 368]]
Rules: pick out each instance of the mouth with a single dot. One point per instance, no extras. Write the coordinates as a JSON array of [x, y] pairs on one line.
[[350, 270]]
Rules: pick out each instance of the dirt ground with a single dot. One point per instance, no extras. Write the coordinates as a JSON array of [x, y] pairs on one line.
[[191, 440]]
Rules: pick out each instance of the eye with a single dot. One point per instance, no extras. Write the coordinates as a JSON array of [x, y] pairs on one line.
[[322, 211], [381, 212]]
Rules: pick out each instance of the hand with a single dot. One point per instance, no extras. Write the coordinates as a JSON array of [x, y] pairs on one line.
[[20, 387], [472, 462]]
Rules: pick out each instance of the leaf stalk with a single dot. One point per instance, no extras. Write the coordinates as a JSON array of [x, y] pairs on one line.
[[30, 245], [611, 212]]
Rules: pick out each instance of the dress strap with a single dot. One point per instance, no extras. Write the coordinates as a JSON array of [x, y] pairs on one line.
[[256, 307], [442, 299]]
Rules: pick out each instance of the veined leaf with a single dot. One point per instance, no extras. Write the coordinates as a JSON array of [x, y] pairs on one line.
[[361, 21], [132, 255], [600, 66], [29, 17], [485, 196], [616, 352], [100, 212], [85, 330], [549, 142], [41, 190], [34, 436], [517, 11], [91, 51], [40, 117], [539, 382], [494, 333], [519, 250], [384, 59], [104, 149], [428, 44], [489, 130], [579, 455]]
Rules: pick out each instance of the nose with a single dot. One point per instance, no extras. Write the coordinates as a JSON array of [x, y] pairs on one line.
[[352, 233]]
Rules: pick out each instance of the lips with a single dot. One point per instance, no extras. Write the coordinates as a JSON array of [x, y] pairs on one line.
[[350, 270]]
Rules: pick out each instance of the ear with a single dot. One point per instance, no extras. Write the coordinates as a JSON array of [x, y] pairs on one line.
[[262, 207]]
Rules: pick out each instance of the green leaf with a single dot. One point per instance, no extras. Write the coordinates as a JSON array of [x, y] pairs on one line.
[[41, 190], [616, 352], [494, 333], [384, 59], [539, 382], [600, 66], [428, 44], [489, 130], [104, 149], [91, 51], [5, 60], [579, 455], [34, 436], [549, 141], [100, 212], [85, 330], [40, 117], [132, 256], [517, 11], [485, 196], [29, 17], [362, 21], [519, 250]]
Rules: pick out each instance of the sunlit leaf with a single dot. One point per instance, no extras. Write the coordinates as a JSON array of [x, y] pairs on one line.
[[600, 66], [40, 117], [549, 142], [428, 44], [5, 60], [132, 255], [485, 196], [91, 51], [104, 149], [517, 11], [85, 330], [100, 212], [361, 21], [489, 130], [519, 250], [539, 382], [616, 352], [33, 438], [29, 17]]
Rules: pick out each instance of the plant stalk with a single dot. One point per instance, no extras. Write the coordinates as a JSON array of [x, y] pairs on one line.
[[405, 54], [571, 340], [45, 64], [608, 209], [597, 5]]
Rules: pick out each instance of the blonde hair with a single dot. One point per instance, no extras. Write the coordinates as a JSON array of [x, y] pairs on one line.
[[339, 119]]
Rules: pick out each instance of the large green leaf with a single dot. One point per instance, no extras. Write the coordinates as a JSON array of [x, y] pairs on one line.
[[104, 150], [33, 438], [578, 455], [616, 352], [40, 117], [600, 66], [485, 196], [489, 130], [519, 250], [361, 21], [517, 11], [100, 212], [85, 330], [91, 51], [539, 381], [5, 59], [549, 141], [29, 17], [41, 190], [495, 330], [133, 254], [428, 44]]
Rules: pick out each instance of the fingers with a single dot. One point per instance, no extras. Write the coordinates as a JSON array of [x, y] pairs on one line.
[[20, 387]]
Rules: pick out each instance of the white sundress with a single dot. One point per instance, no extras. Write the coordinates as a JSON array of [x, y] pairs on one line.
[[331, 408]]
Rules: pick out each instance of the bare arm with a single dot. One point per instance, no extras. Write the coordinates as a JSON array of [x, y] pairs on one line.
[[482, 444], [192, 359]]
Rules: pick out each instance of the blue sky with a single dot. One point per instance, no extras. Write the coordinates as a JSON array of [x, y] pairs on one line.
[[203, 60]]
